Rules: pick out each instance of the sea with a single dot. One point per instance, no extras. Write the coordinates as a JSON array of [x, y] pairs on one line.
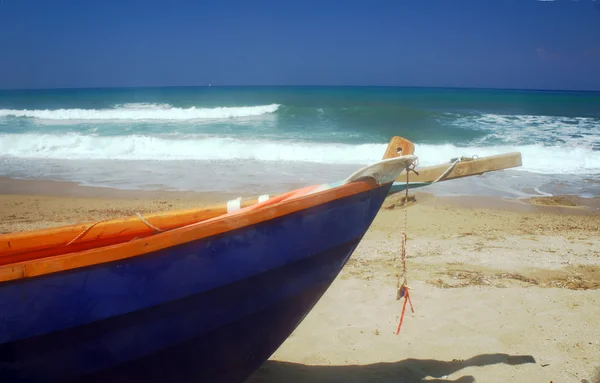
[[252, 140]]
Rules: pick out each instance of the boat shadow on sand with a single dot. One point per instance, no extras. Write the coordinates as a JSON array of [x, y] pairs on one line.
[[404, 371]]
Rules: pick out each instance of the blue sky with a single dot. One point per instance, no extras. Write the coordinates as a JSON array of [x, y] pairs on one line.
[[452, 43]]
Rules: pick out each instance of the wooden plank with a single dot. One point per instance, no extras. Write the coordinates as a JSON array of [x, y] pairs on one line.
[[464, 168]]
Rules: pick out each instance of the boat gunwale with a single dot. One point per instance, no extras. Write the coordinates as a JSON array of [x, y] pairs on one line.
[[73, 229], [180, 235]]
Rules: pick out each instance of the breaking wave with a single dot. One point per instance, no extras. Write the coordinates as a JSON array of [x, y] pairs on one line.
[[142, 111], [528, 129], [536, 158]]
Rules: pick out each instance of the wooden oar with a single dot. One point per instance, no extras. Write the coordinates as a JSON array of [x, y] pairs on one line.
[[457, 167]]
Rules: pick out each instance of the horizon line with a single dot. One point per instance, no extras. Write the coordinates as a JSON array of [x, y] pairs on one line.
[[302, 86]]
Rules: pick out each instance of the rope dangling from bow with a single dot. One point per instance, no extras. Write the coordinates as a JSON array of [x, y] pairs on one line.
[[403, 289]]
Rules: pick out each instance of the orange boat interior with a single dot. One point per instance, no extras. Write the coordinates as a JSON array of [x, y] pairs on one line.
[[31, 245]]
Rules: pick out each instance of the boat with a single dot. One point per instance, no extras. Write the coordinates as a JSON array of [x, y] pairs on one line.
[[458, 167], [201, 295]]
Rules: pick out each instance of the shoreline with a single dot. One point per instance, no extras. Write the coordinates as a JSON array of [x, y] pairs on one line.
[[57, 188], [36, 204]]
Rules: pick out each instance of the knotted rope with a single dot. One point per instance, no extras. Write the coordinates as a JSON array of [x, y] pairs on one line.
[[452, 165], [402, 287]]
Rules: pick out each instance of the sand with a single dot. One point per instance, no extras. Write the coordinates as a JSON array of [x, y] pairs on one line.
[[503, 290]]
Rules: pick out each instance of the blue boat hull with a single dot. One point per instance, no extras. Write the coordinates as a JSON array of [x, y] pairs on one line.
[[211, 310]]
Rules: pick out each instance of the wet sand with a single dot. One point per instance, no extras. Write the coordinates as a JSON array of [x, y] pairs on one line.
[[503, 290]]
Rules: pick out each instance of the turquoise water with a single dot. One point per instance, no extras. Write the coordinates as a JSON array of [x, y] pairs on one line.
[[257, 138]]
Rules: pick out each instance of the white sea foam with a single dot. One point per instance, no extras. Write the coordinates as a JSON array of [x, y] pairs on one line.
[[173, 147], [142, 111], [531, 129], [536, 158]]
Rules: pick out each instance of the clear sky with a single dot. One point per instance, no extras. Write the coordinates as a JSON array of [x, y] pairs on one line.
[[450, 43]]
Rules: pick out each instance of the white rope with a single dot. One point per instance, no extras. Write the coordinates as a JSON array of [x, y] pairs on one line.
[[456, 160], [234, 205], [148, 223], [444, 174]]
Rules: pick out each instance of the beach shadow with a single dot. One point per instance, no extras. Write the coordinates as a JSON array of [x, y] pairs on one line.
[[404, 371], [596, 378]]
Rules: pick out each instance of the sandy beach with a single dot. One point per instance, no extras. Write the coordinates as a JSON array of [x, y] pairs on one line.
[[503, 290]]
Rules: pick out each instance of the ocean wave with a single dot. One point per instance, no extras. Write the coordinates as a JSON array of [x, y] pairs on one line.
[[531, 129], [177, 147], [536, 158], [142, 111]]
